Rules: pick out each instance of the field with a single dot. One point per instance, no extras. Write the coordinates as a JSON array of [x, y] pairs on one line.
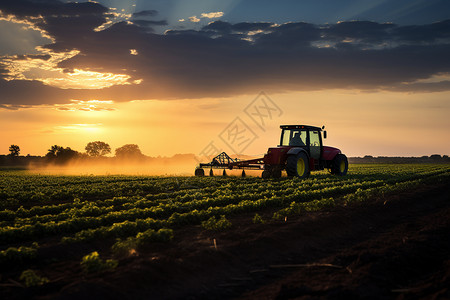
[[224, 237]]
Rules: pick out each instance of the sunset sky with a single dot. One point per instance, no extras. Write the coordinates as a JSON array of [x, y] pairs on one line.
[[177, 76]]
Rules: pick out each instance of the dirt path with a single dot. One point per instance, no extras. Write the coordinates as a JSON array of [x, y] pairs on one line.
[[396, 247]]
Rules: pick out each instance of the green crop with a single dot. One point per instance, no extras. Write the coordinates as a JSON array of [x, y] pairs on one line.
[[129, 212]]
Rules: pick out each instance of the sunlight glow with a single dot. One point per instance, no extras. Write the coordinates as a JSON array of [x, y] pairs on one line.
[[28, 68], [77, 128], [441, 77], [194, 19], [91, 105], [212, 15], [48, 72], [28, 24], [80, 79], [114, 17]]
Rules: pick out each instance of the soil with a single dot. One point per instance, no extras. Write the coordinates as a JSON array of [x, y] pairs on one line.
[[396, 247]]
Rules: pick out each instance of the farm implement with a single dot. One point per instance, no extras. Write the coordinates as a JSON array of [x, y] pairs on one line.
[[300, 151]]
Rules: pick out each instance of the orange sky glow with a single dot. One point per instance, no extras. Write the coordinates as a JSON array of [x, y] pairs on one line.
[[380, 124]]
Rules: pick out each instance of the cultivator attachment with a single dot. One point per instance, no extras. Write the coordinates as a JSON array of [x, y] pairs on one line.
[[224, 161]]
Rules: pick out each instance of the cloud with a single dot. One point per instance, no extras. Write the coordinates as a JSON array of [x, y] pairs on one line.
[[220, 59], [29, 8], [147, 23], [75, 128], [80, 105], [212, 15], [194, 19], [145, 13], [12, 107], [150, 23]]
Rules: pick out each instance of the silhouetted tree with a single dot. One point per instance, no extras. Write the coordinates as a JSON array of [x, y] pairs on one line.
[[129, 151], [65, 154], [60, 154], [14, 150], [52, 151], [97, 149]]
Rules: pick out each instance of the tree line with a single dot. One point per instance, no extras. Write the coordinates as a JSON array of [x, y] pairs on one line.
[[95, 149]]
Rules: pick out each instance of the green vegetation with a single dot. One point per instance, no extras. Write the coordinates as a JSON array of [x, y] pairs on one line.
[[257, 219], [14, 255], [92, 263], [32, 279], [216, 224], [129, 213], [127, 246]]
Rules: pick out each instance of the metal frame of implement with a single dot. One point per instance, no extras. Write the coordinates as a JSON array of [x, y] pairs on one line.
[[224, 161]]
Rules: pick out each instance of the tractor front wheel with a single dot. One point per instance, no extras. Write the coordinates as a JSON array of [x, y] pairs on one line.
[[340, 165], [298, 165], [266, 174], [276, 173]]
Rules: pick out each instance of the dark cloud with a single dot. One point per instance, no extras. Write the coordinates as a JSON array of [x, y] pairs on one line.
[[423, 33], [29, 8], [224, 59], [246, 26], [25, 92], [366, 31], [137, 19], [145, 13], [3, 71], [219, 26], [147, 23], [33, 56], [11, 107]]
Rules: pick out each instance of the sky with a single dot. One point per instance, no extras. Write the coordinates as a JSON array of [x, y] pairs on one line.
[[197, 76]]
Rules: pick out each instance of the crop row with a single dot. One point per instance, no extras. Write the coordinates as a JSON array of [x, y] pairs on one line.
[[161, 203], [123, 209]]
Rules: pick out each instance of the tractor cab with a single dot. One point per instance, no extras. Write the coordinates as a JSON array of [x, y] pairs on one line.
[[300, 151], [307, 137]]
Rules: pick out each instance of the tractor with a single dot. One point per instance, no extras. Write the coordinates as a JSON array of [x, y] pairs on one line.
[[300, 151]]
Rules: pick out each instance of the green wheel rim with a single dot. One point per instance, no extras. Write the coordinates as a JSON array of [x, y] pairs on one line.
[[300, 167]]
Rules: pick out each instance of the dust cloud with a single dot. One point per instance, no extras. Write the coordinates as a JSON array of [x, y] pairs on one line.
[[178, 165], [182, 166]]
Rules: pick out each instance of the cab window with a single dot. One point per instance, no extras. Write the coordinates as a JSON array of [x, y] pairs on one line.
[[314, 144], [294, 137]]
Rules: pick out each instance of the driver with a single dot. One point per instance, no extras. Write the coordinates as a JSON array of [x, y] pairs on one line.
[[296, 140]]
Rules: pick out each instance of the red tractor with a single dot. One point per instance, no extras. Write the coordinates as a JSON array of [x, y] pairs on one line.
[[300, 151]]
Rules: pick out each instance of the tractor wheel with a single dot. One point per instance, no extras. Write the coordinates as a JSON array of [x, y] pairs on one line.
[[276, 173], [340, 165], [298, 165], [199, 172], [266, 174]]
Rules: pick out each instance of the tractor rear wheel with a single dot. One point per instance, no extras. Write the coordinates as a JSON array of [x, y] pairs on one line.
[[340, 165], [298, 165], [199, 172]]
